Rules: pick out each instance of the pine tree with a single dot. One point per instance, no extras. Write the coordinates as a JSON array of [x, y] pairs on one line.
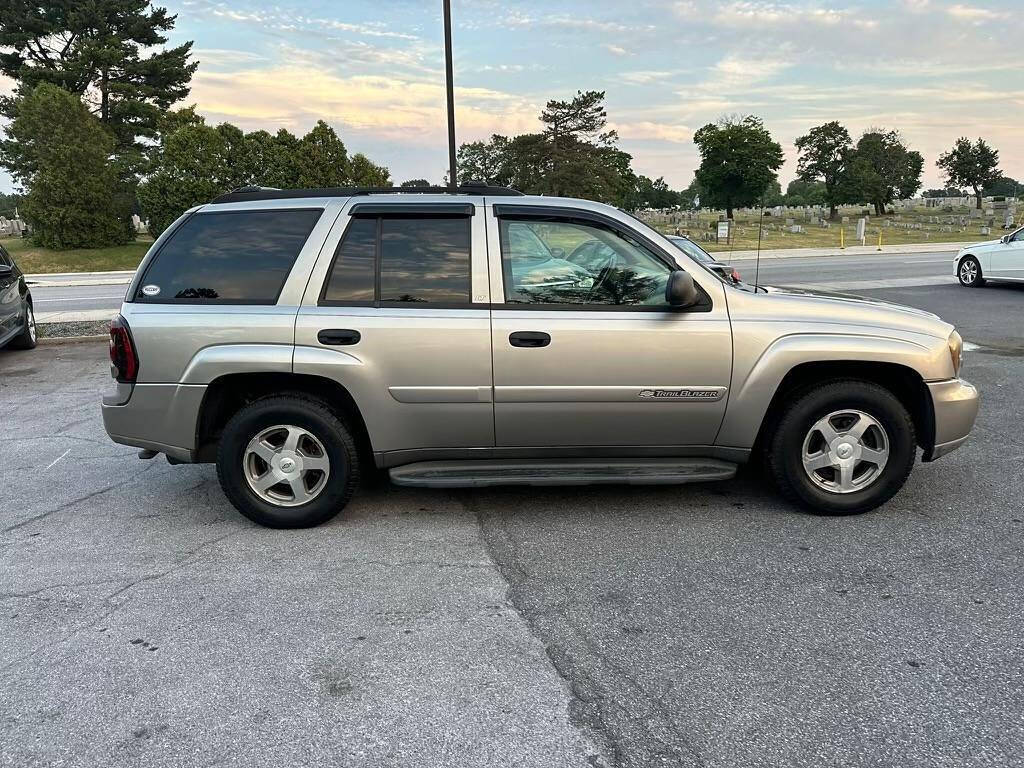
[[94, 50]]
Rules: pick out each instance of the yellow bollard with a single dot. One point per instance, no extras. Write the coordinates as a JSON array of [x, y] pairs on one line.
[[879, 240], [842, 239]]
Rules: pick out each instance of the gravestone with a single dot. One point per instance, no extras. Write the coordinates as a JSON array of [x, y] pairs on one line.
[[861, 226], [985, 230]]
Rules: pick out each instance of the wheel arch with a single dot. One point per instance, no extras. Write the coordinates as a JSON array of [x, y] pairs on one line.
[[905, 383], [227, 394]]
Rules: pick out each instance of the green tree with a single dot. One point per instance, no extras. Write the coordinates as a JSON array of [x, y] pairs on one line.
[[60, 152], [9, 204], [1003, 186], [824, 153], [974, 165], [271, 158], [574, 156], [801, 192], [413, 183], [483, 161], [197, 164], [365, 173], [574, 129], [95, 50], [653, 194], [739, 159], [881, 168], [321, 159]]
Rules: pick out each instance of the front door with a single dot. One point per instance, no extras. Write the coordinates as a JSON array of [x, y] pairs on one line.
[[392, 314], [587, 353], [1007, 259]]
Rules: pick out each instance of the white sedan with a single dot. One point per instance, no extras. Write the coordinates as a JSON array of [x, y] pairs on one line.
[[1001, 259]]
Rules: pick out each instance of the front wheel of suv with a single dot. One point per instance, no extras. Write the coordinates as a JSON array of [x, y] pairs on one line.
[[842, 448], [287, 462]]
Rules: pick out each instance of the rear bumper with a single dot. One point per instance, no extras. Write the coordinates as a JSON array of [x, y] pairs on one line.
[[955, 405], [161, 417]]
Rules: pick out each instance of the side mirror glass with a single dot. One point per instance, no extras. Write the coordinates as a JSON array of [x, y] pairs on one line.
[[6, 270], [680, 291]]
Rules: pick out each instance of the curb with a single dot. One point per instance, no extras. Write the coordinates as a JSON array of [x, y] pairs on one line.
[[49, 341]]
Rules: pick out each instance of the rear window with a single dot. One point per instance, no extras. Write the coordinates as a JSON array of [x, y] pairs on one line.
[[237, 257]]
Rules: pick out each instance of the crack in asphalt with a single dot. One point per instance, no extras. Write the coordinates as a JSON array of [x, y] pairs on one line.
[[591, 705], [584, 709], [184, 561], [72, 502]]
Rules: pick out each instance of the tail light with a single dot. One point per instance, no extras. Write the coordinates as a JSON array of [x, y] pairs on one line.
[[124, 362]]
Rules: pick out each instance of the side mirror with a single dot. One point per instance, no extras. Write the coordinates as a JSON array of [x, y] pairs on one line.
[[558, 253], [1004, 239], [680, 291], [6, 270]]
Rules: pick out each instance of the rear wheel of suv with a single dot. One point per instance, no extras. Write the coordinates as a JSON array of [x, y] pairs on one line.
[[842, 448], [287, 462]]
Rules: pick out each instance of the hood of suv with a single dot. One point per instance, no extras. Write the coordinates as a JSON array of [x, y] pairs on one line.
[[811, 306]]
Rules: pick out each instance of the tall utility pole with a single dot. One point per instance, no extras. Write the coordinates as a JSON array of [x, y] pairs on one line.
[[453, 181]]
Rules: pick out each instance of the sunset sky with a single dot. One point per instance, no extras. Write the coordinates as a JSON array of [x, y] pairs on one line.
[[934, 69]]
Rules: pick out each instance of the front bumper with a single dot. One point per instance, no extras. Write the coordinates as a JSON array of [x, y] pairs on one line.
[[955, 405], [160, 417]]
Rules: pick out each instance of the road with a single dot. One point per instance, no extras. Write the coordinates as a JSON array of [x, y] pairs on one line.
[[146, 623], [66, 298]]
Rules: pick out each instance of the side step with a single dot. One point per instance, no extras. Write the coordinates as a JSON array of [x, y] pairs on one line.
[[480, 473]]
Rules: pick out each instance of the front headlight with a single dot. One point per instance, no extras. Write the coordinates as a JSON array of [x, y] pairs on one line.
[[956, 351]]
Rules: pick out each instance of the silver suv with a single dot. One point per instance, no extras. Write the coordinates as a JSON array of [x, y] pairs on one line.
[[299, 338]]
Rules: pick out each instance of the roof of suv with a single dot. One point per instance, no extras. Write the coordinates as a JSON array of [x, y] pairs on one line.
[[248, 194]]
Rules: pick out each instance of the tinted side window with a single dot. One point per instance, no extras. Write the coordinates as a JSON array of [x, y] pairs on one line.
[[425, 260], [236, 257], [352, 277]]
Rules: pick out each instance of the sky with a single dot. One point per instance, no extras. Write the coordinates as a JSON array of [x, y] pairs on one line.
[[934, 69]]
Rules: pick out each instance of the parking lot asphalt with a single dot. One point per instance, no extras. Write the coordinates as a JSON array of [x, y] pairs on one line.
[[144, 622]]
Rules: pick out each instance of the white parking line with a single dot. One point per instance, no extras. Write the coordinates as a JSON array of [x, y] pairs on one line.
[[58, 459]]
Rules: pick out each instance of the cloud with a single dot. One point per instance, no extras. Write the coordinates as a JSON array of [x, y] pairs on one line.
[[395, 109], [616, 50], [974, 14], [645, 130]]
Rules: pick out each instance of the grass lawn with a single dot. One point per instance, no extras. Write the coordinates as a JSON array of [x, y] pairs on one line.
[[33, 259], [917, 225]]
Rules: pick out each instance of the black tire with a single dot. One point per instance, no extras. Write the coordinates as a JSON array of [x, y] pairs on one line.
[[27, 338], [785, 449], [309, 414], [973, 278]]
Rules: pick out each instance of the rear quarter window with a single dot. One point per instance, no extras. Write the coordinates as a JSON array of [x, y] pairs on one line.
[[228, 257]]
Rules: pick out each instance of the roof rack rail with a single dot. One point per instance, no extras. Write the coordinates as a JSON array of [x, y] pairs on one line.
[[243, 194]]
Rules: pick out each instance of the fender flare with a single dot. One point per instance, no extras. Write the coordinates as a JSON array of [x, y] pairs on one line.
[[748, 404]]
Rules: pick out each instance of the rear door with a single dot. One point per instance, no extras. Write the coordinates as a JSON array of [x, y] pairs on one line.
[[586, 351], [1007, 259], [397, 312]]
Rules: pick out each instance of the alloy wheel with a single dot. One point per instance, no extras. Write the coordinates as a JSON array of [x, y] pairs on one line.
[[845, 451], [286, 465]]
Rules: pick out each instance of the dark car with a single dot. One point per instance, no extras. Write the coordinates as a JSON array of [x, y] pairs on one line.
[[693, 250], [17, 322]]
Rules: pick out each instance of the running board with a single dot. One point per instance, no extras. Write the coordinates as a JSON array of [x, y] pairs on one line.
[[480, 473]]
